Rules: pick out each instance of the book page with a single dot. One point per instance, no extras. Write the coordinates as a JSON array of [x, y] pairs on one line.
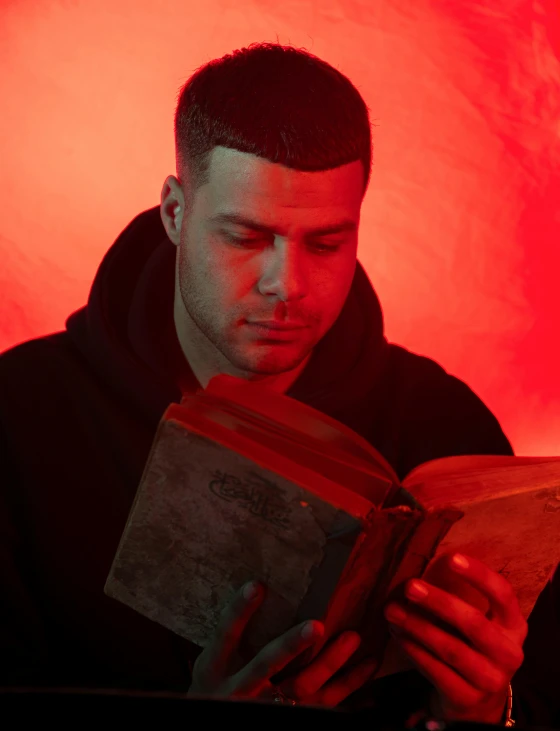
[[224, 431], [511, 523], [461, 480], [516, 534], [299, 417], [364, 479], [441, 468]]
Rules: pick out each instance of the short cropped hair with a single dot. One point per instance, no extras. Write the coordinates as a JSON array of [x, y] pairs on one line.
[[278, 102]]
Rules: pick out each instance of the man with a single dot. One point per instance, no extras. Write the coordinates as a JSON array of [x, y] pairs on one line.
[[248, 268]]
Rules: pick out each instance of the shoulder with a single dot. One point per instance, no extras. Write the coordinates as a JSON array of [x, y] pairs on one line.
[[422, 379], [30, 358], [38, 370], [440, 415]]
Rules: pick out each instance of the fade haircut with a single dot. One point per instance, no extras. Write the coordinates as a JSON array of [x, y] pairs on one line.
[[277, 102]]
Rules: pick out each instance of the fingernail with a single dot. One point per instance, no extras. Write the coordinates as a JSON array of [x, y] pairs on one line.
[[351, 641], [396, 614], [460, 562], [416, 590], [311, 629], [250, 590]]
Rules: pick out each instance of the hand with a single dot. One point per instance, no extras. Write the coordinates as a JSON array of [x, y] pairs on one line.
[[470, 662], [216, 671]]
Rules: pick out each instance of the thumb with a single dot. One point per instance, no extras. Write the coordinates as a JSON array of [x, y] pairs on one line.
[[233, 620]]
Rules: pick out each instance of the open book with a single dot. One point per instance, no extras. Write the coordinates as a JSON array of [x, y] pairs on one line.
[[244, 483]]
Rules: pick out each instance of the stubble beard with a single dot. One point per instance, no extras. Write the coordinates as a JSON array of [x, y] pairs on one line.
[[222, 343], [229, 350]]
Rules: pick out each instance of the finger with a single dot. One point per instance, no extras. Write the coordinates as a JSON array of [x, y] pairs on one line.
[[276, 655], [323, 667], [456, 690], [499, 592], [232, 623], [336, 691], [475, 668], [489, 637]]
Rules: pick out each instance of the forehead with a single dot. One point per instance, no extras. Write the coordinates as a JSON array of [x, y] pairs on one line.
[[246, 183]]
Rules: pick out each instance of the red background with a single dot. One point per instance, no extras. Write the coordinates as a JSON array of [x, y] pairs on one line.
[[460, 228]]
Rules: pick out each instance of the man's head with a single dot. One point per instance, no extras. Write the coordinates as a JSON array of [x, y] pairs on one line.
[[273, 159]]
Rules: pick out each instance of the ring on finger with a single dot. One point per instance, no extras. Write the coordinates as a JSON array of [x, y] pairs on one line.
[[278, 696]]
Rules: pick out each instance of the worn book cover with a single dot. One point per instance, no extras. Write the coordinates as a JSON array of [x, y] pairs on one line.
[[243, 484]]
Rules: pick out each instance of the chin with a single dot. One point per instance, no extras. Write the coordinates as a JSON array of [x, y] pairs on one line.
[[269, 369], [271, 364]]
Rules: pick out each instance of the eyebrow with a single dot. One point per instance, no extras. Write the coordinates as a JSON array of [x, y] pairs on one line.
[[339, 227]]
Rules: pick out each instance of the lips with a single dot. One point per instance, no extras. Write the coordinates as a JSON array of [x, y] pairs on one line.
[[275, 331], [280, 326]]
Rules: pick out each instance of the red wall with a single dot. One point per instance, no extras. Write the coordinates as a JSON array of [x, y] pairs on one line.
[[461, 225]]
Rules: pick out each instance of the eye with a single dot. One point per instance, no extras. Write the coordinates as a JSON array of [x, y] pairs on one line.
[[240, 240], [246, 242], [326, 249]]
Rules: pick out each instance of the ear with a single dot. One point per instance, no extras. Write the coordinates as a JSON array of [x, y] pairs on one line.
[[172, 208]]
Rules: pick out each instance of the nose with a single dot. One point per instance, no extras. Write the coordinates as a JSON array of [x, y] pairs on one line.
[[284, 274]]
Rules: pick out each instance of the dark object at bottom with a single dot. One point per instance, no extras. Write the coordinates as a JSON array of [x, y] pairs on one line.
[[77, 708]]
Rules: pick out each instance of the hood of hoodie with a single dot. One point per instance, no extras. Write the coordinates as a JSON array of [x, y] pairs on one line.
[[127, 334]]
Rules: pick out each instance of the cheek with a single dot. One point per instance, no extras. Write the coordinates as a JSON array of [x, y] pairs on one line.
[[226, 288], [206, 274], [332, 291]]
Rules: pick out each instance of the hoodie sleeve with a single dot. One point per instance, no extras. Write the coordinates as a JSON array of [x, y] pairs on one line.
[[22, 639]]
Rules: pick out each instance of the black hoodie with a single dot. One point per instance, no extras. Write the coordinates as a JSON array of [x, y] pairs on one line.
[[78, 412]]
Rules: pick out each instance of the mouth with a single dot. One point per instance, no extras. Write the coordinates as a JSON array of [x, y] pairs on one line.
[[272, 330], [275, 325]]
